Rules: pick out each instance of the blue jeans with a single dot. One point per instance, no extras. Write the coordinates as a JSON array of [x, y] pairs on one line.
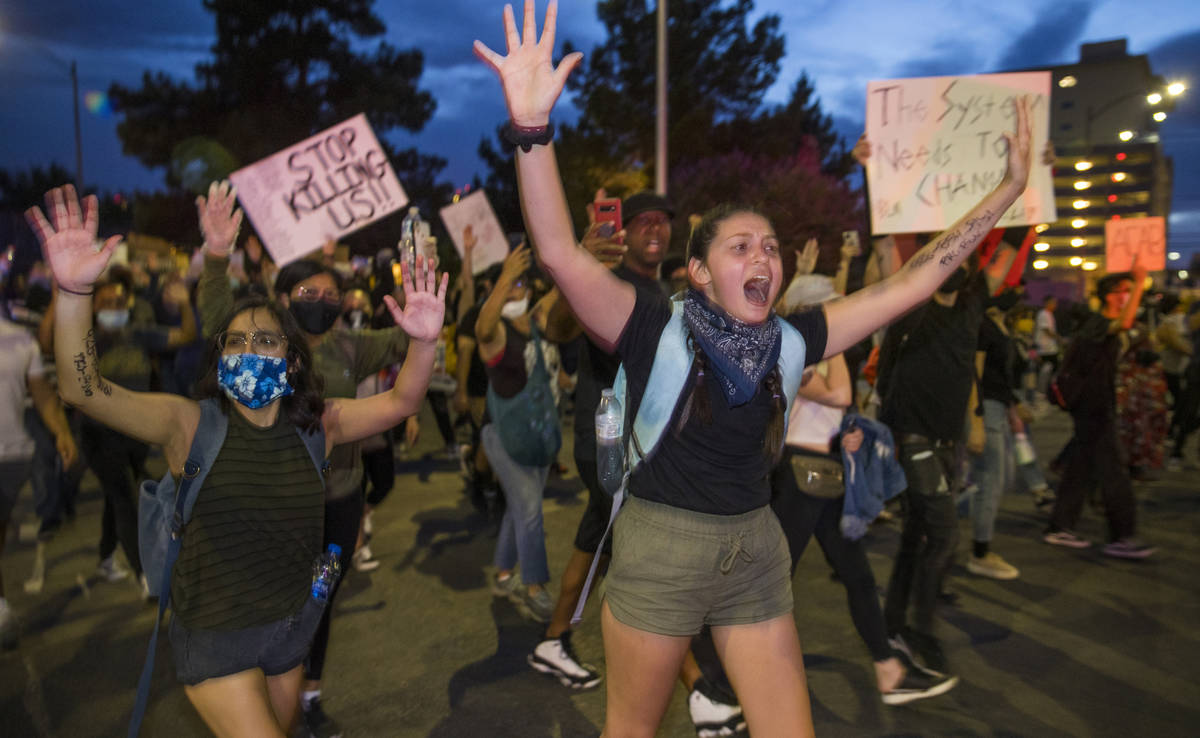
[[521, 538], [994, 470]]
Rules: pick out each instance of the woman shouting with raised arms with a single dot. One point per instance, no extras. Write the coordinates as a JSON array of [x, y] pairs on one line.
[[697, 543]]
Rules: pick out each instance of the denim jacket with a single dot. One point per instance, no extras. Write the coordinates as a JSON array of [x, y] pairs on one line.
[[872, 474]]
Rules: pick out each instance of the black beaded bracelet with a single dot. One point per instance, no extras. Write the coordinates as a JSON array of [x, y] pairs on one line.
[[527, 138], [89, 293]]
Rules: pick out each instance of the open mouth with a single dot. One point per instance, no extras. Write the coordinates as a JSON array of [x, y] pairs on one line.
[[758, 290]]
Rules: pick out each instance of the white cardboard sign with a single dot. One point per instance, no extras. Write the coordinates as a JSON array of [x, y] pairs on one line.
[[938, 147], [475, 210], [322, 188]]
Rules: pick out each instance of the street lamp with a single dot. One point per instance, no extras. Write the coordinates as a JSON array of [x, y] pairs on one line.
[[1125, 135], [1175, 89], [70, 65]]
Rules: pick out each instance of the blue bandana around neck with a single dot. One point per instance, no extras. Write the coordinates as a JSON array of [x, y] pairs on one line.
[[253, 379], [741, 354]]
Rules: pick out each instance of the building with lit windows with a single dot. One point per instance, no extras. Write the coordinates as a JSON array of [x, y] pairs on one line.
[[1104, 121]]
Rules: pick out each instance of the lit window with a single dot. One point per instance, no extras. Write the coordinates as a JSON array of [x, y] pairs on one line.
[[1077, 242], [1159, 117], [1041, 227], [1125, 135], [1041, 264], [1078, 223], [1075, 261], [1174, 256], [1082, 184], [1070, 81], [1183, 274], [1083, 166], [1119, 176], [1154, 98], [1174, 89], [1089, 266], [1041, 246], [1080, 204]]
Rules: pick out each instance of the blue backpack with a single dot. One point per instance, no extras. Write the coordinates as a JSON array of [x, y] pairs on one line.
[[164, 509], [668, 375]]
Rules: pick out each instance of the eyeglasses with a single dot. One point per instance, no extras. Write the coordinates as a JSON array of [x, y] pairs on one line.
[[269, 343], [309, 294]]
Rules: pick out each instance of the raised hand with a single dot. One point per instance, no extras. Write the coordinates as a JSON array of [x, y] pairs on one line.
[[515, 266], [862, 150], [806, 260], [1020, 144], [469, 240], [220, 219], [605, 245], [424, 302], [68, 239], [530, 80]]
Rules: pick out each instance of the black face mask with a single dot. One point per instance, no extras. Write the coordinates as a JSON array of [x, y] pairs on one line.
[[1006, 300], [314, 317], [955, 281]]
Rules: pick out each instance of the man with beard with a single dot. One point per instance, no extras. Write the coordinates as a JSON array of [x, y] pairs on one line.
[[312, 293]]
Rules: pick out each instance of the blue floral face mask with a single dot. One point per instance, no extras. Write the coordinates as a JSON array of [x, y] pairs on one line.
[[253, 379]]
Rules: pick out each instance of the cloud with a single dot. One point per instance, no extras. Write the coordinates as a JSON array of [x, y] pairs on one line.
[[1051, 38]]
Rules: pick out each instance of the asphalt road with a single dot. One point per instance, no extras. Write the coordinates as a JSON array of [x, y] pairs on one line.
[[1078, 645]]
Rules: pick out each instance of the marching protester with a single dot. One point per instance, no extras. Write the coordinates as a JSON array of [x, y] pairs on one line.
[[697, 543], [1094, 457], [243, 615], [311, 293], [522, 436]]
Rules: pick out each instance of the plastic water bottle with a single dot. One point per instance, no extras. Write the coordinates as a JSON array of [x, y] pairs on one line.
[[410, 234], [610, 453], [1023, 449], [326, 570]]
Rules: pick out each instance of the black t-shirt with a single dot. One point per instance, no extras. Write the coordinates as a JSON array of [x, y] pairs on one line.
[[597, 370], [477, 375], [718, 468], [927, 366], [999, 364], [506, 372]]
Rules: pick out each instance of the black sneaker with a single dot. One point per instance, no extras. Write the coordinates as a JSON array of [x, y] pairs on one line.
[[556, 657], [316, 722], [919, 685]]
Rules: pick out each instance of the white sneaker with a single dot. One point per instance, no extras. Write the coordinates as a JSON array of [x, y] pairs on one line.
[[556, 657], [992, 566], [364, 560], [713, 719], [144, 587], [110, 570]]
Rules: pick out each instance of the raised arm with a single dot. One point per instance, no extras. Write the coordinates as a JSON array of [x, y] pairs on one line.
[[347, 420], [531, 86], [490, 334], [220, 220], [856, 316], [68, 241], [466, 275]]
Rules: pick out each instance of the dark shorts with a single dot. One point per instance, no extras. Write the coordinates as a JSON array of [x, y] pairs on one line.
[[595, 517], [13, 476], [276, 647], [674, 571]]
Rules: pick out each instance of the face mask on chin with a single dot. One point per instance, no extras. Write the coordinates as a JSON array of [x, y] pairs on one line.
[[314, 317], [514, 309]]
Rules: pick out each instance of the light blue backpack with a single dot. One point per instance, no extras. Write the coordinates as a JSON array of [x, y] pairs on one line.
[[668, 376], [164, 509]]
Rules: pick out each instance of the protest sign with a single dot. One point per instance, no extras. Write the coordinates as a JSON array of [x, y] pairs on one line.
[[938, 147], [1129, 237], [322, 188], [475, 210]]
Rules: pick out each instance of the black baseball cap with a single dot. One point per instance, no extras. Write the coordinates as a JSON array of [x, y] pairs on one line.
[[643, 202]]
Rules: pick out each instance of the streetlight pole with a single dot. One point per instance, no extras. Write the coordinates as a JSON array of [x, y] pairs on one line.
[[660, 89]]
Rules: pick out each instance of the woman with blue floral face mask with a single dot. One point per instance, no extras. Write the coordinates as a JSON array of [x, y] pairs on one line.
[[241, 624]]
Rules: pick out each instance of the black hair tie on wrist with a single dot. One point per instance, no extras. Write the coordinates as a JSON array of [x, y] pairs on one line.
[[526, 138], [73, 292]]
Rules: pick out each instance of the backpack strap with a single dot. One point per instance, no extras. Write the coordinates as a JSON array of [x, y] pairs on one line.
[[206, 443]]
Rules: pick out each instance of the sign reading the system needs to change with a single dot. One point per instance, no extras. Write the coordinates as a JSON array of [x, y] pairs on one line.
[[1126, 238], [938, 147], [322, 188]]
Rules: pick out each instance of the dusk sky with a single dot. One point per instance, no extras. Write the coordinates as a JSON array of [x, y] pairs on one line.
[[842, 45]]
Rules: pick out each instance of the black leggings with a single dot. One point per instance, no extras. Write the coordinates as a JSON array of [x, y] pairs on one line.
[[803, 516], [118, 462], [379, 469], [342, 518]]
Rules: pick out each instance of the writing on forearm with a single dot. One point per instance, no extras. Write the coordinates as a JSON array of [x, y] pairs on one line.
[[951, 246], [90, 365]]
